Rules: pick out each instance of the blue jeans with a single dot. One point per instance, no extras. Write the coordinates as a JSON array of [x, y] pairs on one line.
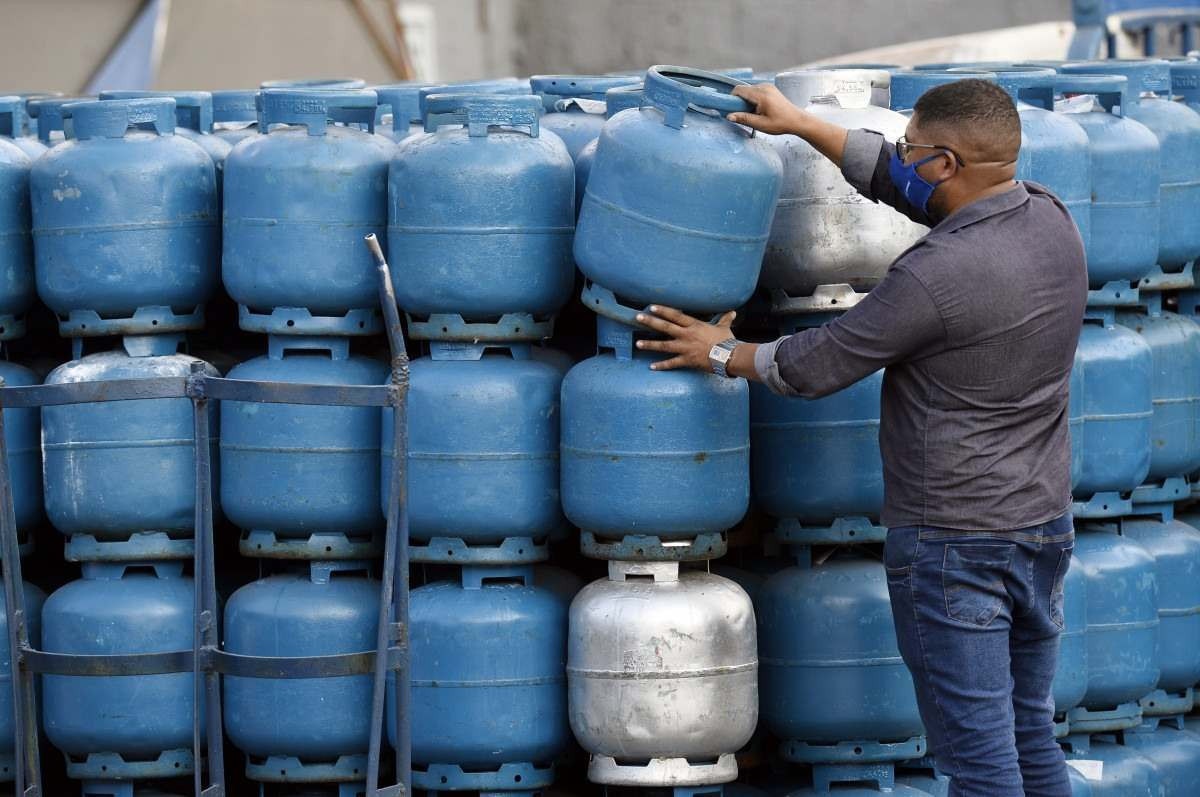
[[978, 617]]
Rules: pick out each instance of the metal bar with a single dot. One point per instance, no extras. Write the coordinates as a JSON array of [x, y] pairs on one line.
[[205, 660], [330, 666], [206, 594], [28, 756], [1140, 20], [93, 392], [197, 607], [288, 393], [393, 605], [1187, 37], [107, 664]]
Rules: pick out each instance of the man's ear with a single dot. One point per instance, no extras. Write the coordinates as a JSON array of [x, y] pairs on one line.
[[945, 166]]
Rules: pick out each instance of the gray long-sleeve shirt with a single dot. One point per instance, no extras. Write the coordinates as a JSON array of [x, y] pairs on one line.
[[977, 325]]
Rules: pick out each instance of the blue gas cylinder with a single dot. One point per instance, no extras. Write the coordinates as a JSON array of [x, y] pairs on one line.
[[1174, 342], [1071, 676], [1055, 151], [1113, 770], [1185, 82], [119, 727], [298, 200], [488, 645], [1122, 628], [1173, 751], [307, 728], [1116, 402], [193, 120], [1125, 190], [503, 85], [858, 788], [627, 431], [16, 246], [1175, 546], [34, 598], [128, 198], [907, 85], [830, 674], [234, 114], [483, 427], [13, 126], [1075, 419], [615, 101], [923, 774], [480, 216], [23, 128], [327, 83], [23, 437], [840, 431], [679, 202], [302, 477], [123, 472], [1177, 129], [574, 105], [50, 121], [1080, 786], [398, 114]]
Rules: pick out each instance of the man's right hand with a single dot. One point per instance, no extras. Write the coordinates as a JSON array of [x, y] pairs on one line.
[[773, 112]]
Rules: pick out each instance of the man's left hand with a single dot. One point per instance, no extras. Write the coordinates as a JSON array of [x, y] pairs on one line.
[[689, 339]]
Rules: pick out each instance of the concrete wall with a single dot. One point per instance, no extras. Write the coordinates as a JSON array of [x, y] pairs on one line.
[[766, 34], [56, 44]]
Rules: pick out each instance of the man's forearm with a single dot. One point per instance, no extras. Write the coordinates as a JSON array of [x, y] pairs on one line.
[[827, 138], [742, 362]]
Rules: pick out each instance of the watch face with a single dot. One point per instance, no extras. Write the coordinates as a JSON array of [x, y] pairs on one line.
[[720, 354]]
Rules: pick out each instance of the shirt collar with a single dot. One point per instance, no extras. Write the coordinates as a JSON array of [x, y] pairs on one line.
[[984, 208]]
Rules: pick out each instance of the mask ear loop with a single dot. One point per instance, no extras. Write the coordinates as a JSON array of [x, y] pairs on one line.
[[935, 156]]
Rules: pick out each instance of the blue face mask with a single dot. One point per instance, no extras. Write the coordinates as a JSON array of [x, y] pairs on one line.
[[915, 188]]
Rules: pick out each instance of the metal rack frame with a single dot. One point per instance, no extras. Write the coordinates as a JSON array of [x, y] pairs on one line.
[[1097, 23], [206, 660]]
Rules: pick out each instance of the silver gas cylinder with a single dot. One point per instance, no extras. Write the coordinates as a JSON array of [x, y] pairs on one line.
[[662, 675], [825, 233]]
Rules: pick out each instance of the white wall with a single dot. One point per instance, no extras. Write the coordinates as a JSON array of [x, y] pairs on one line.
[[56, 44], [766, 34]]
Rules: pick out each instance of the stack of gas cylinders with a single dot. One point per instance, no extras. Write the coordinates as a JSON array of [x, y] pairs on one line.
[[656, 581], [126, 192], [300, 483], [662, 662], [480, 214], [824, 614]]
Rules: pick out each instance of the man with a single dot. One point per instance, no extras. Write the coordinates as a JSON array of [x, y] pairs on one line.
[[977, 325]]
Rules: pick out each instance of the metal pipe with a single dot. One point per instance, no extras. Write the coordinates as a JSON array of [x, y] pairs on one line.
[[394, 589], [28, 756]]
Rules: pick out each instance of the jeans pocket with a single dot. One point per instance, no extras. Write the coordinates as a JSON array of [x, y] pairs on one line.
[[973, 578], [1057, 587]]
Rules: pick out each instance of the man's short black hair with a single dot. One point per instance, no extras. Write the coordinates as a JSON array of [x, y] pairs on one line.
[[979, 115]]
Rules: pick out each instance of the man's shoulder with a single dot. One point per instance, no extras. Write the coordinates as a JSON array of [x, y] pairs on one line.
[[1040, 195]]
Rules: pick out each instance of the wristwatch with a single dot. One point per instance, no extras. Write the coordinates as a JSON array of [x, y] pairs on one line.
[[718, 356]]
